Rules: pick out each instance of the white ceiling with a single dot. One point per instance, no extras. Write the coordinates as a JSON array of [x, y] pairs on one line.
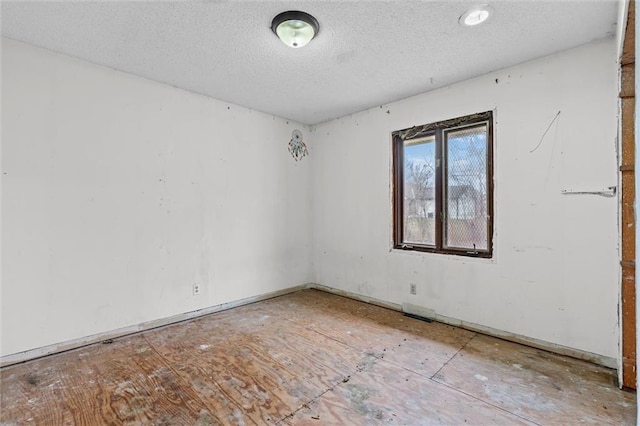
[[367, 53]]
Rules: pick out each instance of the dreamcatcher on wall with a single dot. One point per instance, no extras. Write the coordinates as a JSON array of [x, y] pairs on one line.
[[297, 147]]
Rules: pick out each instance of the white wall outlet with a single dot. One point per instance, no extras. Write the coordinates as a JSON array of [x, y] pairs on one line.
[[412, 288], [196, 289]]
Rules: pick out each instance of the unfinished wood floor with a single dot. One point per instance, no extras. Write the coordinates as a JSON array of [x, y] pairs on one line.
[[311, 358]]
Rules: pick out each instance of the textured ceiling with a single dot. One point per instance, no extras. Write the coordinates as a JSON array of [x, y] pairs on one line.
[[367, 53]]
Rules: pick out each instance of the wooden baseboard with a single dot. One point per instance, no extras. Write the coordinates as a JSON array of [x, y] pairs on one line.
[[100, 337], [24, 356], [512, 337], [367, 299]]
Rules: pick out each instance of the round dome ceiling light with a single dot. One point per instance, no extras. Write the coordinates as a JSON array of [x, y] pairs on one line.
[[476, 15], [295, 28]]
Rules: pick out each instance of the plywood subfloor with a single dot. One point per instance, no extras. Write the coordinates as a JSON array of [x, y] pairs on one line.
[[311, 358]]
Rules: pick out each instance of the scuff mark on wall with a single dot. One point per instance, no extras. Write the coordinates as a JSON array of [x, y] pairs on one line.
[[545, 132]]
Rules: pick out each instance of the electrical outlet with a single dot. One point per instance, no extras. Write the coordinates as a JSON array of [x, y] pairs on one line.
[[196, 289], [412, 288]]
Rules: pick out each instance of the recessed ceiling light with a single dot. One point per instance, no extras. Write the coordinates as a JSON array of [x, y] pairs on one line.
[[295, 28], [476, 15]]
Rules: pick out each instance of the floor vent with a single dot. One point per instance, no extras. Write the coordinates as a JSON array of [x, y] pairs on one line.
[[418, 312], [418, 317]]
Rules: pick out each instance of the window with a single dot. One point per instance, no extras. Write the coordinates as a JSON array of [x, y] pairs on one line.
[[443, 186]]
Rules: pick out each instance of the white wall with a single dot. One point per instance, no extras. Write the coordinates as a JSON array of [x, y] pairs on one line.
[[554, 275], [120, 193]]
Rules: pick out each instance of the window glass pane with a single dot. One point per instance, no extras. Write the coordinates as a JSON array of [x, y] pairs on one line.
[[465, 194], [419, 191]]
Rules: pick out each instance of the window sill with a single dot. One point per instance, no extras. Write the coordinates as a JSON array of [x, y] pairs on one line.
[[445, 256]]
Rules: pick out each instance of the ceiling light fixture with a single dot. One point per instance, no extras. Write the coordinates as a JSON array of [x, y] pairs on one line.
[[476, 15], [295, 28]]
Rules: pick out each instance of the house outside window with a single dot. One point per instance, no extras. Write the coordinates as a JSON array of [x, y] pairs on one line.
[[443, 186]]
